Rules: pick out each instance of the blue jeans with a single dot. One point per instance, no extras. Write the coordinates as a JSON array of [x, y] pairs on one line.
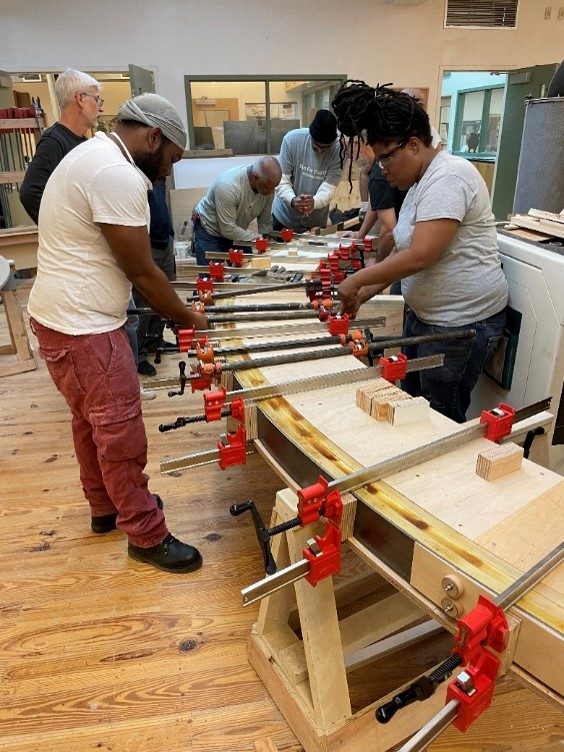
[[448, 388], [131, 327], [202, 241]]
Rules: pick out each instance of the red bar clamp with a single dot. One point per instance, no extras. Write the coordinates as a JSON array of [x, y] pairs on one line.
[[217, 270], [338, 324], [286, 235], [185, 337], [205, 353], [237, 408], [213, 403], [261, 244], [201, 383], [315, 500], [236, 256], [235, 451], [394, 367], [367, 244], [324, 552], [204, 285], [499, 421], [484, 627]]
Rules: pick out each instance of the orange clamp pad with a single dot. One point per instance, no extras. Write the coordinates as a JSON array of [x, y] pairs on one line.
[[205, 353]]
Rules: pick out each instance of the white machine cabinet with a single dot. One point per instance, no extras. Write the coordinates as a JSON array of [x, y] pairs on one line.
[[535, 273]]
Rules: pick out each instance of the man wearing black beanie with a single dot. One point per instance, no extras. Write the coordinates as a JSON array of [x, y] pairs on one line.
[[311, 170]]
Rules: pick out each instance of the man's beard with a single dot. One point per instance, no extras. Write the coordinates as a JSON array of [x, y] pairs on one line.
[[151, 164]]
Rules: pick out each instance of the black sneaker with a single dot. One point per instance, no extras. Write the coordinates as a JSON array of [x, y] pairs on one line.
[[146, 369], [170, 554], [107, 522]]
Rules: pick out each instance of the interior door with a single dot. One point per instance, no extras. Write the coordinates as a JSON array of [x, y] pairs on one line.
[[142, 80], [522, 84]]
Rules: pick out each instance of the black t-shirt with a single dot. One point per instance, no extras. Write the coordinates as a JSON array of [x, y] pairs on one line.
[[382, 195], [53, 145]]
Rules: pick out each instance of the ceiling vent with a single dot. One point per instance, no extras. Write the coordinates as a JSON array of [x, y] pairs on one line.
[[481, 14]]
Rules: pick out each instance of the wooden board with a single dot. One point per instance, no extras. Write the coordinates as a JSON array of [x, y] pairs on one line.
[[442, 503]]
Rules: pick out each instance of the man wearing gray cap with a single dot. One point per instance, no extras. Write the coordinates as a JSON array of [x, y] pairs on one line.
[[93, 245]]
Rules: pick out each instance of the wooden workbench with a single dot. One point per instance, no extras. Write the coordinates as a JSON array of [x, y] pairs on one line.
[[20, 245], [413, 529]]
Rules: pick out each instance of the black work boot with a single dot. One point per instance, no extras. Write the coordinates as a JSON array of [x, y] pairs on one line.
[[170, 554], [107, 522]]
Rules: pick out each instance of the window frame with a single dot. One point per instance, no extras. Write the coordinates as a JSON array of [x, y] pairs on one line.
[[188, 79], [481, 153]]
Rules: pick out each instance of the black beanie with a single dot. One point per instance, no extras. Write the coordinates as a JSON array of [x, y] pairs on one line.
[[323, 128]]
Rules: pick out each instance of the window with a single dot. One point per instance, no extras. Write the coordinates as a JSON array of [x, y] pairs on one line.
[[481, 13], [445, 119], [478, 119], [251, 115]]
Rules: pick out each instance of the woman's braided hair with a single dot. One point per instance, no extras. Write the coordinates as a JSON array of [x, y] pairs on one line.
[[370, 115]]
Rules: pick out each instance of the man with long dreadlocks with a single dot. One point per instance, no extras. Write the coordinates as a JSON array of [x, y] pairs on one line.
[[446, 250]]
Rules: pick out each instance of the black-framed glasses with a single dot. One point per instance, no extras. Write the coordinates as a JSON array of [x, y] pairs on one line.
[[385, 159], [99, 100]]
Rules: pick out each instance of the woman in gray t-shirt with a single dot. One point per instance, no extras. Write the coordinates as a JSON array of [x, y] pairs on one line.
[[446, 250]]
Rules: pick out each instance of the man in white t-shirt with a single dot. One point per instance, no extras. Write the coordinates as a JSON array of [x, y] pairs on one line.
[[93, 245]]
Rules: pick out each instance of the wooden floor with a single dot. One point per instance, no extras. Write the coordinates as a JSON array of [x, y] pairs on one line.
[[98, 652]]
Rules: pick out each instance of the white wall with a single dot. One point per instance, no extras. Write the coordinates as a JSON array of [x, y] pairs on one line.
[[403, 44]]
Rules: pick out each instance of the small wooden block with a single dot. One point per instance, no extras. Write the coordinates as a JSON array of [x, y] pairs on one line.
[[292, 250], [400, 412], [381, 403], [251, 421], [261, 262], [499, 460]]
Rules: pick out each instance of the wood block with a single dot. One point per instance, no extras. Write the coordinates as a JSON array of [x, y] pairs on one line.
[[381, 402], [403, 411], [499, 461], [251, 421]]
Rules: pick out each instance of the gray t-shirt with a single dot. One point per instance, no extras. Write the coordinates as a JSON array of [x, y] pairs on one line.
[[230, 205], [306, 171], [467, 283]]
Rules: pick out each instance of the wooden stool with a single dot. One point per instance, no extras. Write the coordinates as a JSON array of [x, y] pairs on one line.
[[20, 345], [307, 677]]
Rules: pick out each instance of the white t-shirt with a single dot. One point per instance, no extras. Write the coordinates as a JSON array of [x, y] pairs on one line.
[[79, 288], [466, 284]]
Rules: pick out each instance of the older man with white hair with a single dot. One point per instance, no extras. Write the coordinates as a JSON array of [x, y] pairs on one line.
[[80, 104], [93, 245]]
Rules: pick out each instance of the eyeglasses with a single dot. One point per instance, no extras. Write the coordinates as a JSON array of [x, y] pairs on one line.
[[99, 101], [385, 159]]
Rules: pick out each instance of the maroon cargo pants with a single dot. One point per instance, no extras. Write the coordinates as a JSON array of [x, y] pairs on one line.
[[96, 375]]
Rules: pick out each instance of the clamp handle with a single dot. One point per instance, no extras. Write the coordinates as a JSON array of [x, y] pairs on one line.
[[263, 534], [420, 689], [183, 380]]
